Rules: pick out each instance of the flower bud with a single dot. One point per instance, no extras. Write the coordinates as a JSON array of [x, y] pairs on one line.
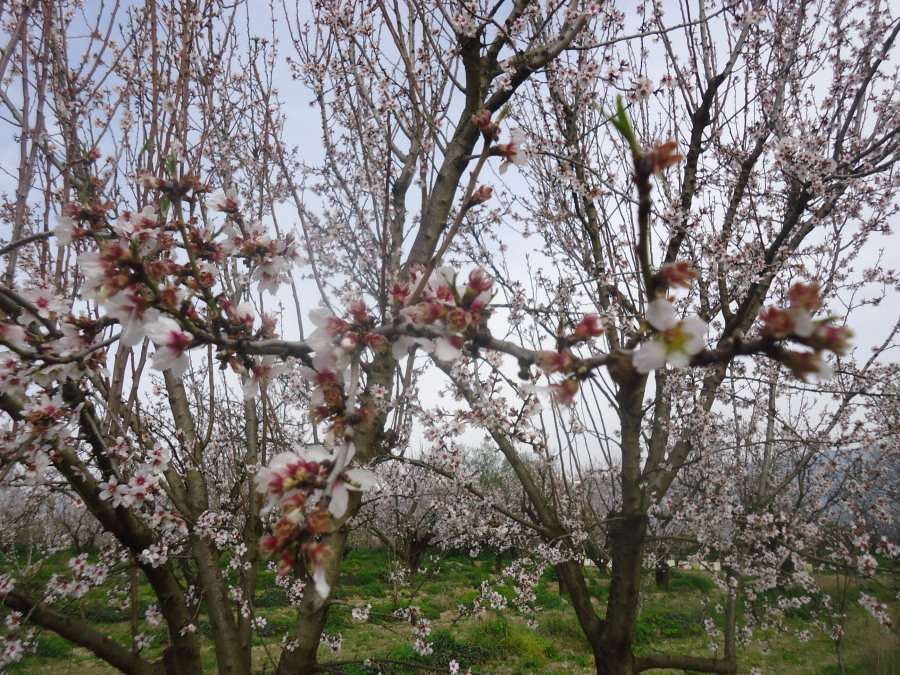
[[805, 296], [679, 273], [480, 196]]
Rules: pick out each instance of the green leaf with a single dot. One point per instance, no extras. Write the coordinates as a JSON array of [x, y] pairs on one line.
[[623, 125]]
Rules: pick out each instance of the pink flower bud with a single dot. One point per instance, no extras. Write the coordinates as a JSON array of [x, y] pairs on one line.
[[556, 362], [458, 320], [566, 390], [662, 156], [805, 296], [679, 273], [482, 119], [358, 311], [480, 281], [376, 342], [480, 196], [589, 327], [778, 322], [835, 339], [148, 180]]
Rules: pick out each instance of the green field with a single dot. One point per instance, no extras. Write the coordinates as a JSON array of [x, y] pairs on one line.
[[494, 643]]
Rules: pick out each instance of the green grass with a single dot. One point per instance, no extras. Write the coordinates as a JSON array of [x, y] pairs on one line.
[[496, 642]]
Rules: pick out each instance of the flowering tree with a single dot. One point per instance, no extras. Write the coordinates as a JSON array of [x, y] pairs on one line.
[[147, 234], [450, 498]]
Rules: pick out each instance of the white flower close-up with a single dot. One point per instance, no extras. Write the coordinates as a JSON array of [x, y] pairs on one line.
[[675, 342]]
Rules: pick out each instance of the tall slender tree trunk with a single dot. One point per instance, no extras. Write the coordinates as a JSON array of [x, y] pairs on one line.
[[313, 611], [614, 653]]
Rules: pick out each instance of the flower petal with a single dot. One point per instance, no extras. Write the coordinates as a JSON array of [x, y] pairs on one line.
[[661, 315], [362, 479], [649, 356], [340, 497], [697, 329]]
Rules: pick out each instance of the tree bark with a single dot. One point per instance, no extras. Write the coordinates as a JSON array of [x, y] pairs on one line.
[[314, 609], [663, 576], [230, 658]]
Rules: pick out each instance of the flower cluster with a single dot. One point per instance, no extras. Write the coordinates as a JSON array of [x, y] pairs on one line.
[[271, 258], [796, 323], [512, 151], [455, 312], [361, 614], [877, 609], [142, 484], [298, 484], [136, 275], [564, 361]]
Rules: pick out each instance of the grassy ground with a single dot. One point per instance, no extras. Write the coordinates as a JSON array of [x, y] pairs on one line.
[[495, 643]]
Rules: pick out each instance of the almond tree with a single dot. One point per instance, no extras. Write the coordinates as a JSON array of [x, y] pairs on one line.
[[124, 137]]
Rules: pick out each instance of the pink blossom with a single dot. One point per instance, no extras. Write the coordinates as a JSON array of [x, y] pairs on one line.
[[154, 555], [679, 273], [130, 309], [65, 230], [512, 152], [642, 88], [171, 345], [262, 372], [229, 202], [13, 334], [117, 493]]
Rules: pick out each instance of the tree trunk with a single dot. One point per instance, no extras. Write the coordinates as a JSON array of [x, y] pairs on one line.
[[613, 652], [252, 529], [313, 611], [663, 576], [563, 586], [230, 658]]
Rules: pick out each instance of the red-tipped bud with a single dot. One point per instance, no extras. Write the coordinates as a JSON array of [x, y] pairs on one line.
[[589, 327], [319, 553], [376, 342], [778, 322], [566, 390], [286, 563], [833, 338], [482, 119], [805, 296], [807, 363], [678, 273], [325, 377], [267, 329], [400, 292], [319, 522], [556, 362], [358, 311], [481, 195], [489, 129], [349, 342], [662, 156], [480, 281], [458, 320], [268, 546], [148, 180]]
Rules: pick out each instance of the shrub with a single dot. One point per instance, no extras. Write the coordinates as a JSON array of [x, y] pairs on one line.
[[688, 581], [272, 597]]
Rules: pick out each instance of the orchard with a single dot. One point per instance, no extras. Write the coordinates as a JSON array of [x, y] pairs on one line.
[[571, 282]]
